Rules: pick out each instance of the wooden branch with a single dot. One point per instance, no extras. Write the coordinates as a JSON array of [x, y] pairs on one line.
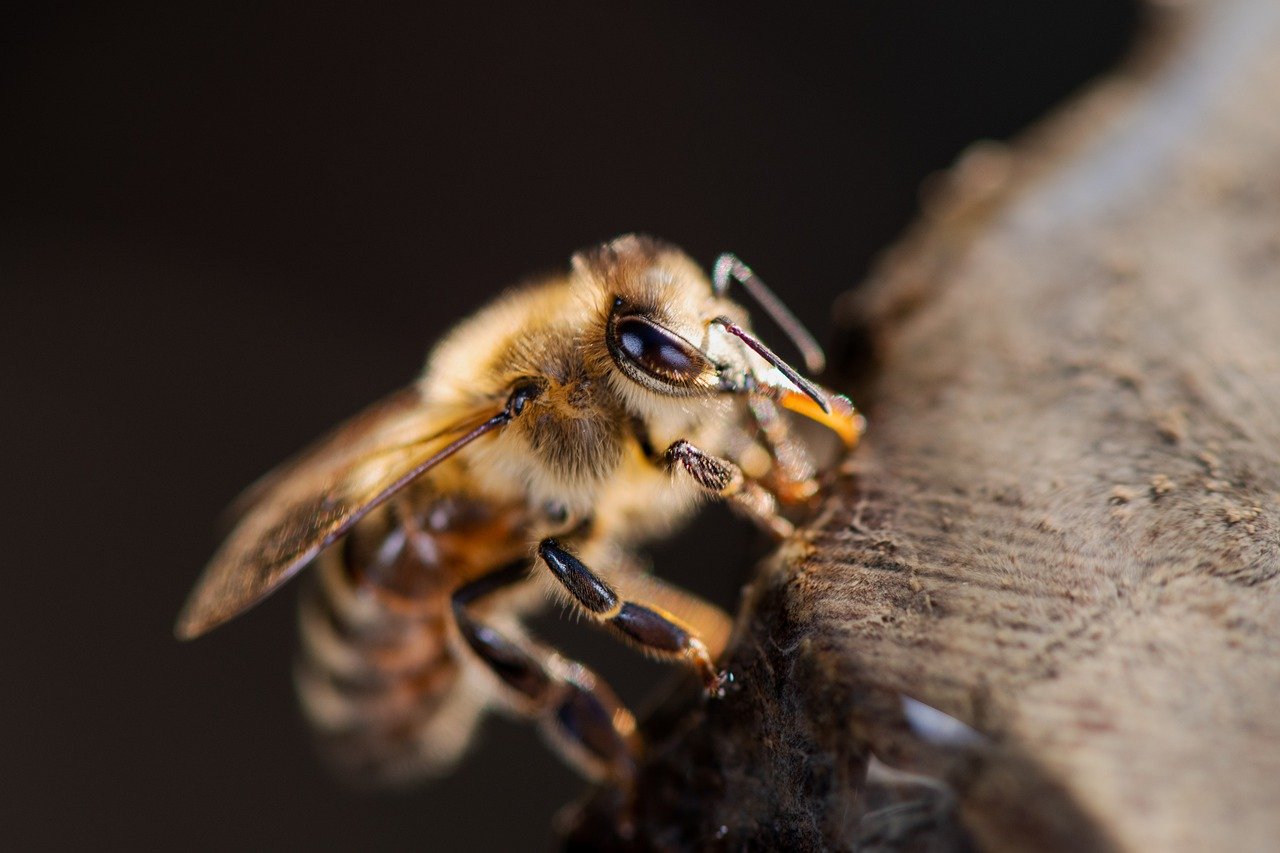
[[1064, 526]]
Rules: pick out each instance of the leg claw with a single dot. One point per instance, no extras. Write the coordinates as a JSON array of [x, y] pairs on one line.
[[715, 685]]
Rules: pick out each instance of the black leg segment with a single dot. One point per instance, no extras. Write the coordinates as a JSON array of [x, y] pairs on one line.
[[711, 472], [588, 590], [651, 629], [517, 668], [577, 713], [591, 726], [723, 478]]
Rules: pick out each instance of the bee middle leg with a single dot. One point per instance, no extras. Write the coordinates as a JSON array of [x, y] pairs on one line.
[[651, 628], [577, 713], [725, 479]]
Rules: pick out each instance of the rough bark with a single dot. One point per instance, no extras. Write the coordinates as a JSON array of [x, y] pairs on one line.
[[1063, 527]]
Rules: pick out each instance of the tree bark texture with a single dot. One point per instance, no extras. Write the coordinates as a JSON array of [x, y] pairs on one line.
[[1063, 527]]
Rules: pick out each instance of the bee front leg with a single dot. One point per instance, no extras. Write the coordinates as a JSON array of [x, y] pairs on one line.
[[578, 714], [726, 480], [792, 474], [650, 628]]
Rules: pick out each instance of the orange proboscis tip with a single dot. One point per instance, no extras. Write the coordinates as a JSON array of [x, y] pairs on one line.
[[843, 419]]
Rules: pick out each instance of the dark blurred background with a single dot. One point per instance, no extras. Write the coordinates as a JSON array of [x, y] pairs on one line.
[[224, 227]]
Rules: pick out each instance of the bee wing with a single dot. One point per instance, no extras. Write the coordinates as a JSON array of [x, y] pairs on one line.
[[343, 441], [296, 511]]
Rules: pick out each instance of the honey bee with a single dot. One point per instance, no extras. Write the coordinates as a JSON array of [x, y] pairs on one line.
[[550, 434]]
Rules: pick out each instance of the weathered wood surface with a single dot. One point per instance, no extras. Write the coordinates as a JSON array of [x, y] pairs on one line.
[[1064, 525]]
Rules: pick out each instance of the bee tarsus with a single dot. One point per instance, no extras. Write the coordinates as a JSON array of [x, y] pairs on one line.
[[718, 476], [724, 479]]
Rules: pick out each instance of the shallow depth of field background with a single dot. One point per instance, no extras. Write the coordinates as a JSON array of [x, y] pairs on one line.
[[224, 227]]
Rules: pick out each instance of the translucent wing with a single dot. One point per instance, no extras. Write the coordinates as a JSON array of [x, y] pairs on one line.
[[302, 507]]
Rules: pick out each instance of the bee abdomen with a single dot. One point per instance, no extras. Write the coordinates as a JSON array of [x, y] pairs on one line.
[[376, 677]]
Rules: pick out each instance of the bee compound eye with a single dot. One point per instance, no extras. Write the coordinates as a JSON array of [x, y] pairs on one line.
[[657, 351]]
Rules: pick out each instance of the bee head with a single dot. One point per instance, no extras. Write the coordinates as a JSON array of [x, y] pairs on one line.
[[654, 305], [671, 333]]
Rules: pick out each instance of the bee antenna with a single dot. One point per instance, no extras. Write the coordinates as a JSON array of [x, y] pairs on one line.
[[770, 356], [728, 268]]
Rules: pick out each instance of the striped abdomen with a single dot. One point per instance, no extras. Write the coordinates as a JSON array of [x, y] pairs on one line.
[[378, 676]]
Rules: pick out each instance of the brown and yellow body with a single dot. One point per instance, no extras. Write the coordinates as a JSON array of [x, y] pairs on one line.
[[558, 428], [378, 675]]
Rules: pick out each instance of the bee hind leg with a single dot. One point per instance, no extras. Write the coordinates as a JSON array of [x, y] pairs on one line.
[[651, 628], [579, 716]]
